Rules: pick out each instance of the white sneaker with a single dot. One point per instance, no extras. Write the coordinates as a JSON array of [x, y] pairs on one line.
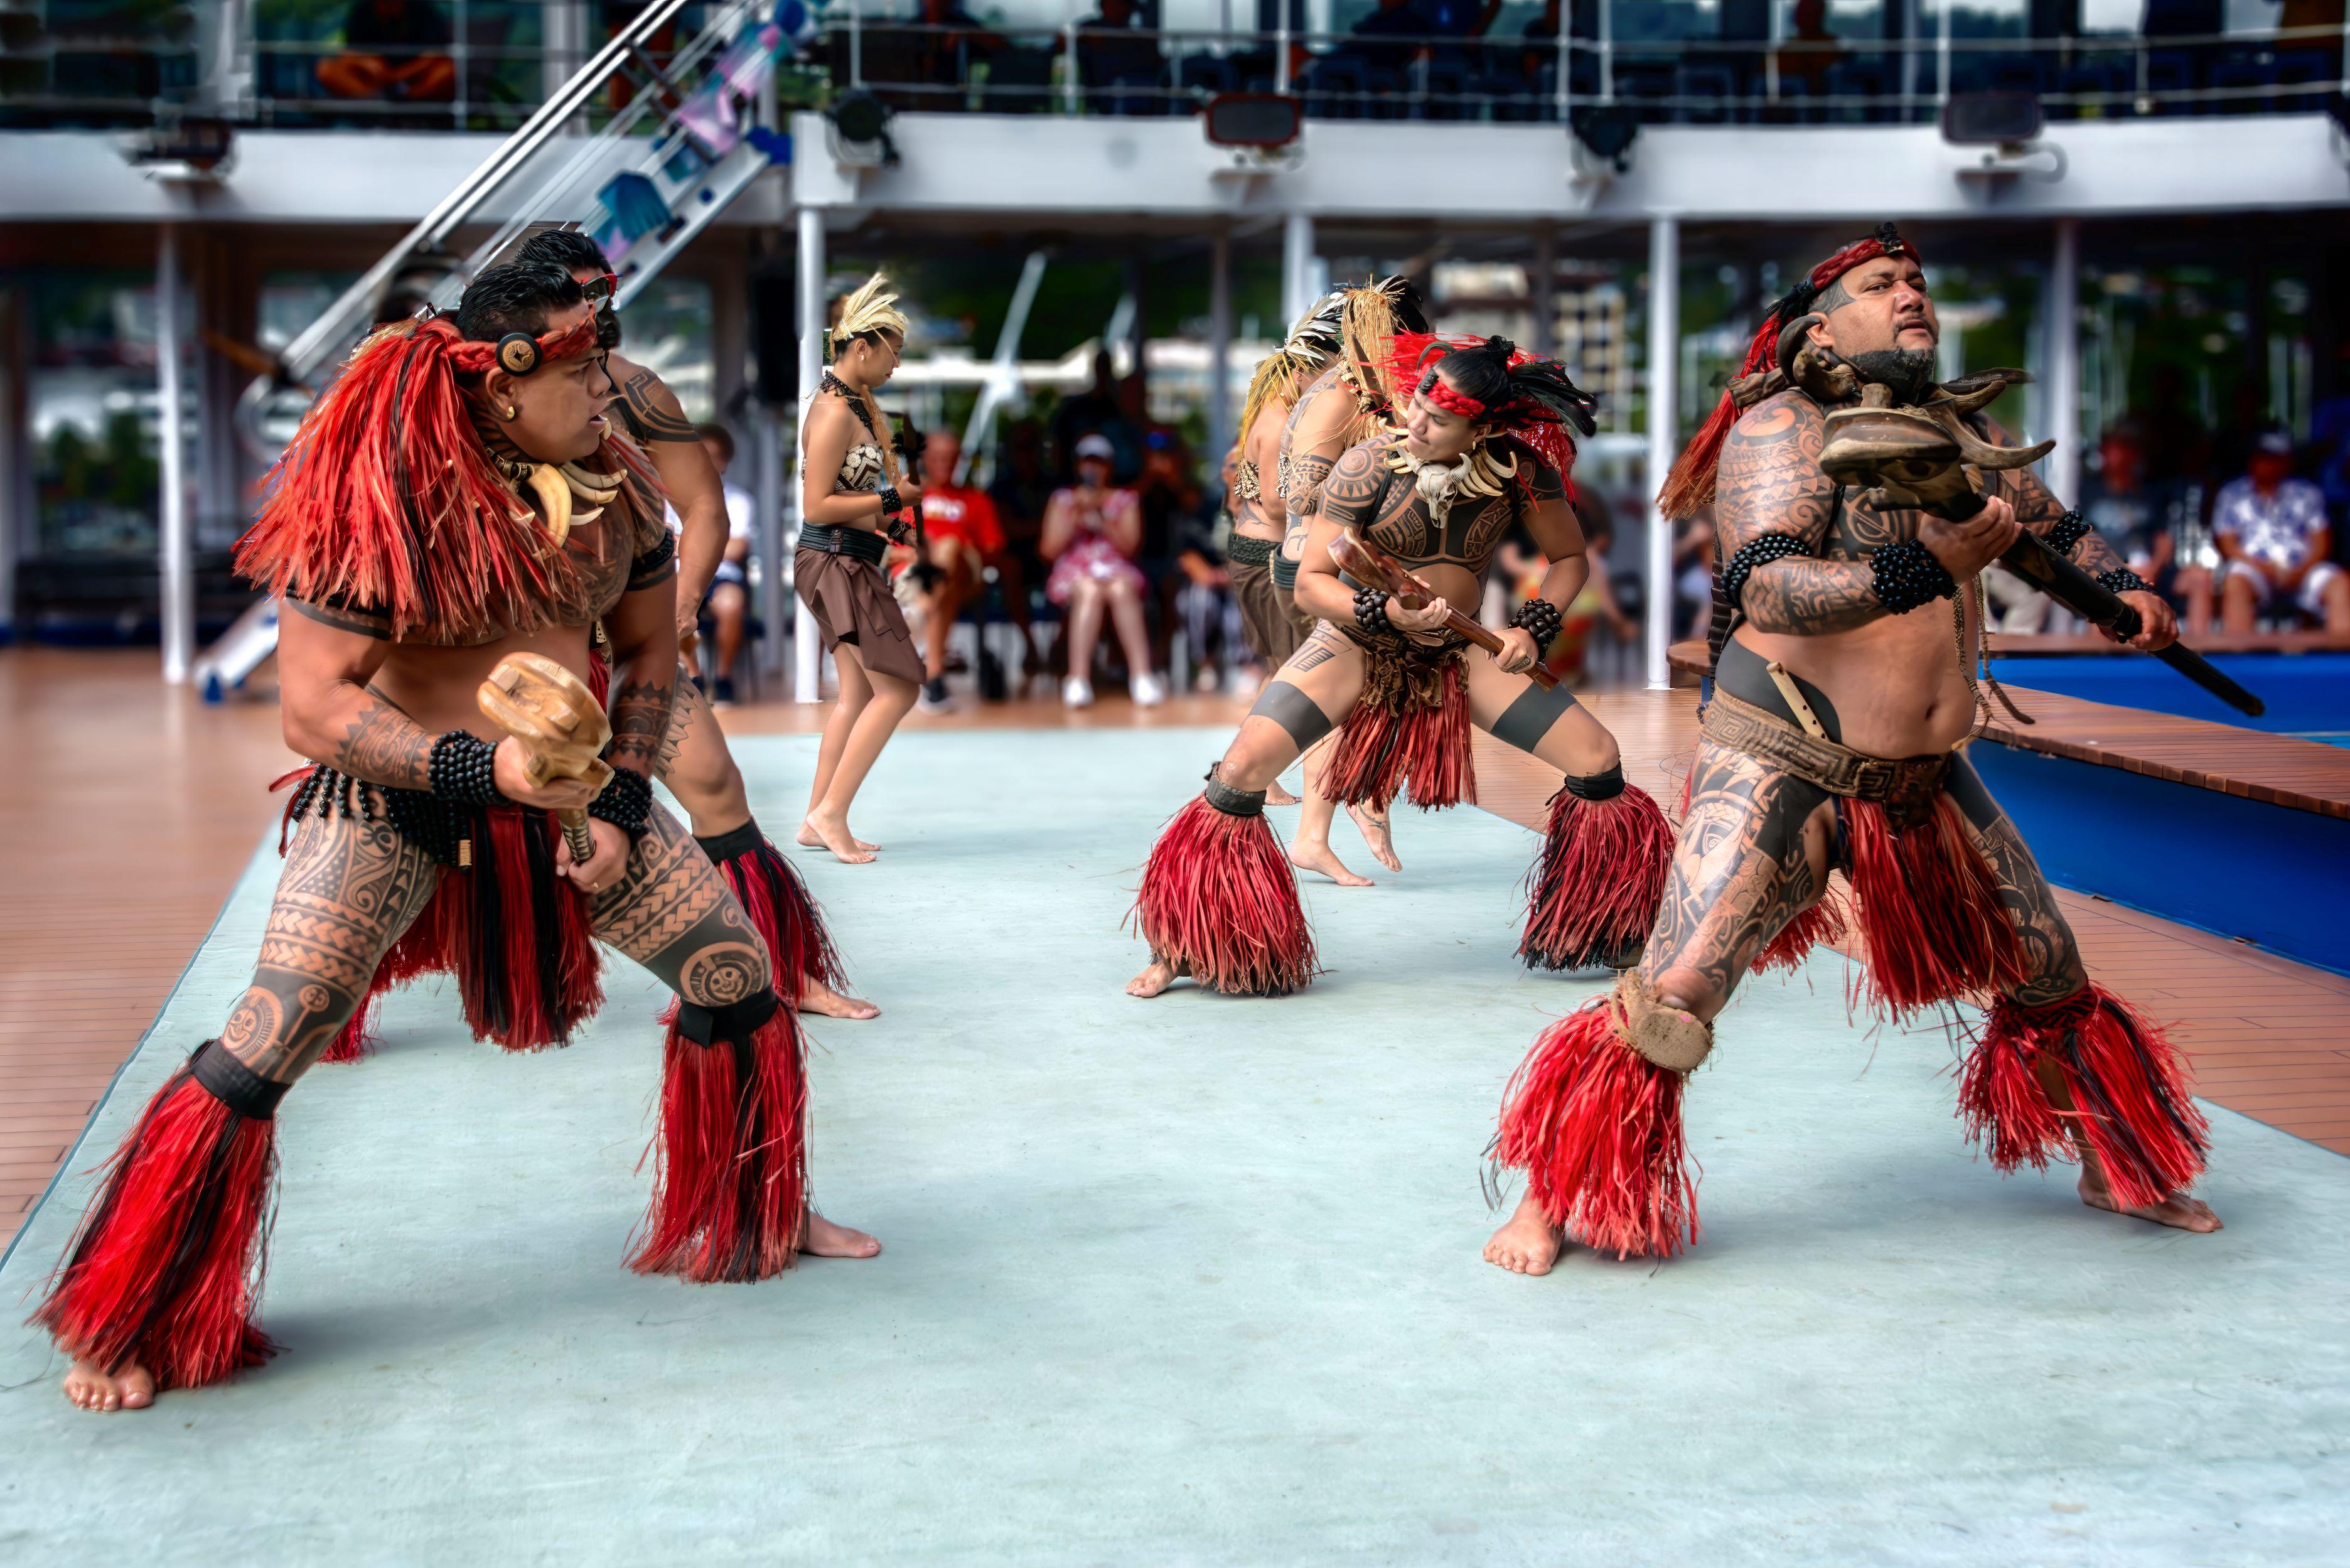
[[1147, 690], [1076, 692]]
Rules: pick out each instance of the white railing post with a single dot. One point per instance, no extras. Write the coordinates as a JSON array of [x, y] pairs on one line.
[[1606, 43], [1219, 345], [1664, 429], [1069, 58], [1942, 57], [174, 563], [1296, 266], [806, 657], [1281, 50], [1563, 89], [856, 43], [2063, 472]]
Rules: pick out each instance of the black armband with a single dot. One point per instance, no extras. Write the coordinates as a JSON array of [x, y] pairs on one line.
[[1371, 611], [1907, 575], [2122, 580], [463, 769], [656, 566], [1540, 617], [627, 802], [2065, 532], [1759, 551]]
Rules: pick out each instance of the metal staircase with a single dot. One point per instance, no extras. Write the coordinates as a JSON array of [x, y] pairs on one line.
[[690, 136]]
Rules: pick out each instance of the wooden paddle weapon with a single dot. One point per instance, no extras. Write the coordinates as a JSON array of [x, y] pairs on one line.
[[563, 731]]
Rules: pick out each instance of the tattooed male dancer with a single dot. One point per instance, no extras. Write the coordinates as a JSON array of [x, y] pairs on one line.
[[1485, 442], [1354, 400], [695, 761], [1842, 694], [422, 529]]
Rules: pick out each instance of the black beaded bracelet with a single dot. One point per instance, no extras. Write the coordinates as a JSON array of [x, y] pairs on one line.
[[1759, 551], [627, 802], [2066, 532], [465, 769], [1371, 611], [891, 502], [1907, 575], [1541, 619], [2122, 580]]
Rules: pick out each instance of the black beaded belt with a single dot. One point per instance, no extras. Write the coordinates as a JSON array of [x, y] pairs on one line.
[[1285, 574], [1248, 551], [862, 544]]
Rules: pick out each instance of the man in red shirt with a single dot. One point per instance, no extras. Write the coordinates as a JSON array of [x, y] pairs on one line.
[[963, 535]]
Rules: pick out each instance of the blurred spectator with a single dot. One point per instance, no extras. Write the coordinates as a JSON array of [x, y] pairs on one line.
[[1111, 54], [387, 54], [728, 602], [1746, 22], [1693, 574], [2178, 447], [1091, 534], [1394, 19], [2186, 20], [2124, 510], [2270, 526], [1455, 20], [1097, 411], [1810, 52], [1210, 615], [962, 536], [1168, 498], [944, 58], [1021, 491], [1541, 42]]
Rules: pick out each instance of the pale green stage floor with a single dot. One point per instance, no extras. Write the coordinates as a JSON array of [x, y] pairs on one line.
[[1196, 1281]]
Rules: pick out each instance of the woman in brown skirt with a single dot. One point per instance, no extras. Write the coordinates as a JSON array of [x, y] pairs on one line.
[[853, 501]]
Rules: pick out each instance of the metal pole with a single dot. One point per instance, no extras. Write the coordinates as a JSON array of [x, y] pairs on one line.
[[2063, 464], [767, 431], [1219, 344], [1942, 56], [1541, 288], [856, 43], [461, 54], [1606, 44], [1280, 52], [807, 658], [176, 567], [1069, 58], [1909, 19], [1664, 406], [1296, 265]]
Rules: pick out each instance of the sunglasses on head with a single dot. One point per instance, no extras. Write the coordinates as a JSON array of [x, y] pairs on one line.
[[599, 289]]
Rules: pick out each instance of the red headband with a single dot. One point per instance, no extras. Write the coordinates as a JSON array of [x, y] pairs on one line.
[[1411, 358], [1433, 391], [468, 356]]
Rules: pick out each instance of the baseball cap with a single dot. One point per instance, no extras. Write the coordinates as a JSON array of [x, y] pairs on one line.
[[2277, 443], [1098, 445]]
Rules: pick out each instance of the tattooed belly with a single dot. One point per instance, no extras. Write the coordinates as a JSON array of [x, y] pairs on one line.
[[436, 686], [1896, 685]]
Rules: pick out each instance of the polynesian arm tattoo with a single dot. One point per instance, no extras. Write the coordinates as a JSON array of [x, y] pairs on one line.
[[654, 408], [325, 661], [645, 667], [2037, 508], [1770, 482]]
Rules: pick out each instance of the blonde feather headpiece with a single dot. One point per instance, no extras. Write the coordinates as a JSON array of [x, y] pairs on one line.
[[871, 308]]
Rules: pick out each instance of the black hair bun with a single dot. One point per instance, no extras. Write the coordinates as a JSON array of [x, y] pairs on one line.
[[1500, 346]]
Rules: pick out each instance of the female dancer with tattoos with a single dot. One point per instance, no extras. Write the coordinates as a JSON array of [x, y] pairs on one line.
[[422, 527], [1844, 692], [853, 501], [1484, 443]]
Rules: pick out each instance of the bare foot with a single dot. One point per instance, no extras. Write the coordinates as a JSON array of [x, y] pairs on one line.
[[129, 1390], [818, 997], [2178, 1210], [1276, 795], [832, 833], [806, 839], [1157, 977], [820, 1238], [1528, 1244], [1315, 855], [1376, 835]]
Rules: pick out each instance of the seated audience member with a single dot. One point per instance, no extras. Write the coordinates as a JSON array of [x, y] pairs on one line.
[[962, 536], [728, 602], [1092, 532], [1020, 491], [943, 57], [381, 58], [1112, 53], [2126, 511], [1203, 596], [2270, 529]]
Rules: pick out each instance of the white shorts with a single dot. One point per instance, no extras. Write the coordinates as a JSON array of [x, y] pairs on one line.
[[2310, 599]]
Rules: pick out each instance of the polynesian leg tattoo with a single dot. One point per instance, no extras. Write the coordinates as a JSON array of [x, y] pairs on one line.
[[2052, 958], [673, 913], [1752, 853], [348, 891]]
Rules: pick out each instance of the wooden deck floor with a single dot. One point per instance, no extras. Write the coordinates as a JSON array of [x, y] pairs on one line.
[[128, 812]]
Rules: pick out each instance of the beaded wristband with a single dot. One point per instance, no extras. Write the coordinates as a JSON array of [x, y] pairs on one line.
[[1541, 619], [1371, 611], [627, 802], [463, 769], [2066, 532], [891, 502], [1907, 575], [2122, 580], [1760, 550]]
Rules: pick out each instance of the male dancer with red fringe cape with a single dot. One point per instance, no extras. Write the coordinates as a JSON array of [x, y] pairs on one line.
[[454, 499], [1485, 442], [1843, 692], [694, 759]]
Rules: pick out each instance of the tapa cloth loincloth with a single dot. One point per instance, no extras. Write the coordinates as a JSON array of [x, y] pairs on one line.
[[837, 574]]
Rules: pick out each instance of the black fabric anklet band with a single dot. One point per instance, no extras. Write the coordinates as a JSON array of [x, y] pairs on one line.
[[1597, 786], [1530, 715], [234, 1083], [1233, 802], [727, 845], [735, 1023], [1285, 572], [1294, 710]]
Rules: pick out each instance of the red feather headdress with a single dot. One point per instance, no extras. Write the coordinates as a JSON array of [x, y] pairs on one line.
[[387, 498], [1547, 424]]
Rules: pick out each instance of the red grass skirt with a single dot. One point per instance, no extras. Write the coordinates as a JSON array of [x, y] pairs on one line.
[[788, 918], [1591, 896], [2125, 1079], [1409, 731], [730, 1189], [1219, 898], [1596, 1128], [167, 1267]]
